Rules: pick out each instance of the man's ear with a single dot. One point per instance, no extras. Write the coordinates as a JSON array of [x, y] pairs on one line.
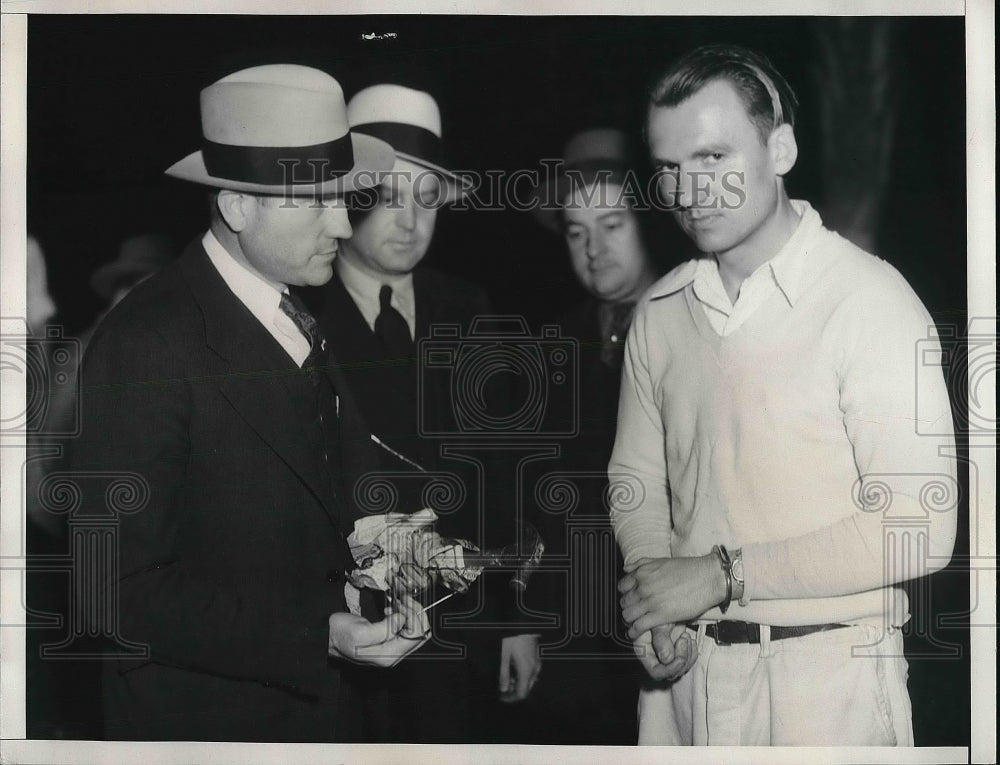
[[784, 150], [233, 207]]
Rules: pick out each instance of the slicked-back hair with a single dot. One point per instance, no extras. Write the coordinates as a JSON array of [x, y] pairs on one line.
[[766, 95]]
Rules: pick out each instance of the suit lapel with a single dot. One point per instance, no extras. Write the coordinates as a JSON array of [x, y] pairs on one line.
[[259, 376], [424, 314], [345, 327], [355, 354]]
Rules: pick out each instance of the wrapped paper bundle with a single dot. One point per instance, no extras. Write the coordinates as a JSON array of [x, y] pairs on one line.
[[403, 552], [400, 552]]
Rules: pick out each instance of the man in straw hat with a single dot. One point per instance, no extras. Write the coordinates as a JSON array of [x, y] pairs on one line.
[[770, 409], [381, 301], [212, 387]]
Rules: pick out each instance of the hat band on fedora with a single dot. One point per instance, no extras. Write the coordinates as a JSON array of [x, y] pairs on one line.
[[409, 139], [280, 165]]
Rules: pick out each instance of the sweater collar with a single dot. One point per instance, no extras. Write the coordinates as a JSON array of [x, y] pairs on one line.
[[786, 266]]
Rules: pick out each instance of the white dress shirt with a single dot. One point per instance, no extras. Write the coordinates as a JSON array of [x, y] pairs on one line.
[[261, 298], [364, 288]]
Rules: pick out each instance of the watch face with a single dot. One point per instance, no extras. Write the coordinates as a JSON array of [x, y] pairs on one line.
[[737, 568]]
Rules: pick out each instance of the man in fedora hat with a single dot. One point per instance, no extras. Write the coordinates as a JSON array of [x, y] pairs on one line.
[[595, 204], [780, 394], [211, 387], [380, 303]]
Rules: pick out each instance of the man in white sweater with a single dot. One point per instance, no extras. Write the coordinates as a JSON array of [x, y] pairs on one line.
[[768, 421]]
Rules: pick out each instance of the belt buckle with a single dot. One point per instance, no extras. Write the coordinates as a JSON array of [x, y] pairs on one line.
[[720, 628], [736, 632]]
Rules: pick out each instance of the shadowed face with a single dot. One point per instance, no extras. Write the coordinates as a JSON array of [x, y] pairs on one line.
[[394, 235], [605, 243], [292, 241]]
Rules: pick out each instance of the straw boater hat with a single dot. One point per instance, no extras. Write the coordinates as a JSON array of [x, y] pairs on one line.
[[591, 155], [410, 121], [258, 121], [140, 256]]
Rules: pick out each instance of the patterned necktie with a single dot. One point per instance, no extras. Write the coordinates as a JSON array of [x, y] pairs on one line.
[[295, 310], [390, 326]]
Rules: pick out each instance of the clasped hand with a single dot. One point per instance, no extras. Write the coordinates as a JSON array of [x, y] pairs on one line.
[[381, 644], [666, 652], [661, 591], [658, 596]]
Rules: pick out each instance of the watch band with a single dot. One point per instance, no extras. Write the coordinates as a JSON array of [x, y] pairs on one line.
[[738, 576], [726, 564]]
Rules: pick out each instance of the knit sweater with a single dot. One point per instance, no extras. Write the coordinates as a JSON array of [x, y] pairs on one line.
[[790, 428]]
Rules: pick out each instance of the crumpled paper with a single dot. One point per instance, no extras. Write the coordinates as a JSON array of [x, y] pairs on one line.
[[401, 553]]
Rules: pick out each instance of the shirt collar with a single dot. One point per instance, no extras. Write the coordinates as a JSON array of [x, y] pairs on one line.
[[256, 294], [368, 286], [786, 265]]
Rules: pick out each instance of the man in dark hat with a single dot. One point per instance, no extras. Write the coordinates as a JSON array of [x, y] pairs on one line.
[[615, 255], [379, 304], [211, 390]]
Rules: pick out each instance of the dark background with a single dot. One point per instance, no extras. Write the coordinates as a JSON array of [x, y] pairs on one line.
[[113, 101]]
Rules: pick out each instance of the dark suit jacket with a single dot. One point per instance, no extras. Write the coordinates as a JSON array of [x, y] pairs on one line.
[[428, 698], [387, 390], [230, 572]]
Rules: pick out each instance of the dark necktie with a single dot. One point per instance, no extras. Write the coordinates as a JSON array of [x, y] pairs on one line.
[[390, 326], [613, 349], [295, 310]]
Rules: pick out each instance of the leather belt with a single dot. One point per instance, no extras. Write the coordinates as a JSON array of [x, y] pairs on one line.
[[732, 632]]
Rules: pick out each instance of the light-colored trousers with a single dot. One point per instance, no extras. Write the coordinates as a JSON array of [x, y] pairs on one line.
[[844, 687]]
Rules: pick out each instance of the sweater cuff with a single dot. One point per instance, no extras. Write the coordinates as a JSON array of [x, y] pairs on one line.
[[753, 564]]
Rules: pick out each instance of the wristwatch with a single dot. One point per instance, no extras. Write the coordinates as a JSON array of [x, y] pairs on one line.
[[736, 572]]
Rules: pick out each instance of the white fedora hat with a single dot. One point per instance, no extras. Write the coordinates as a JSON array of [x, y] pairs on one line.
[[409, 120], [594, 155], [281, 129]]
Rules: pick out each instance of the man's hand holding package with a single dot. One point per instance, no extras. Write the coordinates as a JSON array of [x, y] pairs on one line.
[[381, 644]]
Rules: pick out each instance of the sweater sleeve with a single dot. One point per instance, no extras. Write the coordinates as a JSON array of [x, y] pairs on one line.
[[897, 416], [637, 473]]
